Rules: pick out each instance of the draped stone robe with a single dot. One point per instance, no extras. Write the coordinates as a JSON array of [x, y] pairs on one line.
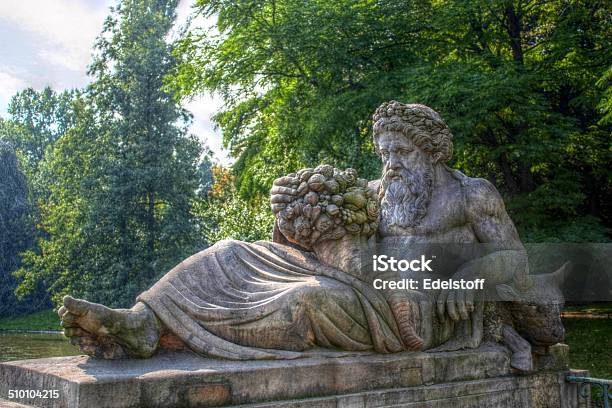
[[268, 300]]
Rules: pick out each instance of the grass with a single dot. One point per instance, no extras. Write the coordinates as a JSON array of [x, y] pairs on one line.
[[595, 308], [43, 320], [590, 342]]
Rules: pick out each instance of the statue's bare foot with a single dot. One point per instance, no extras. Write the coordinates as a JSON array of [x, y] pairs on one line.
[[110, 333]]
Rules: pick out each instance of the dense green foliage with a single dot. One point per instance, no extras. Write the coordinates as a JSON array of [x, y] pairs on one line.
[[122, 179], [16, 233], [103, 189], [524, 86], [223, 214], [36, 120]]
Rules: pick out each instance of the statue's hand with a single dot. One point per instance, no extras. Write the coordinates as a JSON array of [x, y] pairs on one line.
[[283, 192], [457, 303]]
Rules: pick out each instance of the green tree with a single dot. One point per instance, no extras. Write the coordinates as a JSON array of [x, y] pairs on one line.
[[223, 214], [518, 90], [67, 253], [524, 86], [16, 233], [126, 173], [36, 120], [205, 172]]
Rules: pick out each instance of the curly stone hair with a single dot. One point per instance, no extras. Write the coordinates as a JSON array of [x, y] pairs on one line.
[[422, 124], [329, 204]]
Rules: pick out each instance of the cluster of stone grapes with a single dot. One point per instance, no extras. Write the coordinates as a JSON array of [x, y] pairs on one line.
[[329, 204]]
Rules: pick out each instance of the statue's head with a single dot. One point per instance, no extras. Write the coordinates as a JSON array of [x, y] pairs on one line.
[[419, 124], [330, 203], [410, 139]]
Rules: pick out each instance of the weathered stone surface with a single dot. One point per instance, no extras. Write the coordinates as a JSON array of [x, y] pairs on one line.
[[557, 358], [472, 378], [9, 404], [541, 390]]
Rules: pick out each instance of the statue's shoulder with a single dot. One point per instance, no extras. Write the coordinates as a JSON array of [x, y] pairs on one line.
[[479, 194]]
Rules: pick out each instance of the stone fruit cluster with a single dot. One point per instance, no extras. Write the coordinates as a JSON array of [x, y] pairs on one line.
[[329, 204]]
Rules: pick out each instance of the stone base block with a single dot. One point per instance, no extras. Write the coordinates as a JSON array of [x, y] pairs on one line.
[[474, 378]]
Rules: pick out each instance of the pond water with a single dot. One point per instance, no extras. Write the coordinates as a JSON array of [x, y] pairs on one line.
[[22, 346]]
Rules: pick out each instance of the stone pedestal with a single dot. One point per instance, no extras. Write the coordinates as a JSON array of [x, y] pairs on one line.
[[474, 378]]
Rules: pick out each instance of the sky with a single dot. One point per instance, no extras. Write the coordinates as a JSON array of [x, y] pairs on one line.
[[49, 42]]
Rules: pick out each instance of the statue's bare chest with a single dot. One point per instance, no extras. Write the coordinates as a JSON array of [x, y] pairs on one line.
[[445, 222]]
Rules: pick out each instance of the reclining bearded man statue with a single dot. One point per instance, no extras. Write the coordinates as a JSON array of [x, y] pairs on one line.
[[305, 293]]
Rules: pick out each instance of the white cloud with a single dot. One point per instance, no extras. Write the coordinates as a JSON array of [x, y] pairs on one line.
[[65, 58], [65, 28], [203, 108], [9, 85], [183, 11]]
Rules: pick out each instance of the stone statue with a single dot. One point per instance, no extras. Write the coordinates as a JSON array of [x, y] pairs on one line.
[[306, 293]]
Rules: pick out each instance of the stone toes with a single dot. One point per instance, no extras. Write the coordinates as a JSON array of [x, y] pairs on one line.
[[522, 361], [62, 311], [76, 306]]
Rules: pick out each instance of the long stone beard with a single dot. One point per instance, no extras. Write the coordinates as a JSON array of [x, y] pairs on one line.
[[404, 201]]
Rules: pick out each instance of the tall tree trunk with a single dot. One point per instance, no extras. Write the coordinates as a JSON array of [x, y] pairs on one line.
[[525, 178], [513, 27], [506, 169], [502, 162]]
